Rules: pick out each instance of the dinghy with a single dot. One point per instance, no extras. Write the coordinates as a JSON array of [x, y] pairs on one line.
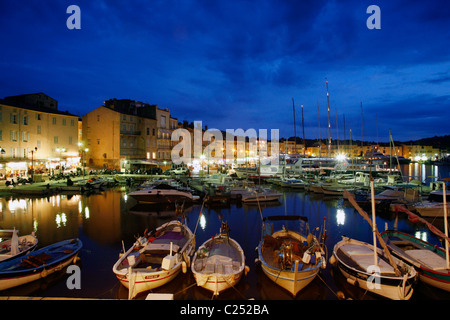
[[16, 246], [219, 262], [154, 260], [38, 264], [289, 258]]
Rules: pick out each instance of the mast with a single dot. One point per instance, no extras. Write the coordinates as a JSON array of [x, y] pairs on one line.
[[303, 126], [329, 124], [295, 131], [362, 144], [337, 127], [320, 139]]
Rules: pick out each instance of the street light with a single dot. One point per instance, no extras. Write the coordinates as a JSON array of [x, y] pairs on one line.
[[32, 162], [84, 161]]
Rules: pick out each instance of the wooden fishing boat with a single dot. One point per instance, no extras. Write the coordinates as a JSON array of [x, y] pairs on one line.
[[429, 260], [156, 259], [355, 259], [16, 246], [38, 264], [287, 257], [370, 268], [219, 262]]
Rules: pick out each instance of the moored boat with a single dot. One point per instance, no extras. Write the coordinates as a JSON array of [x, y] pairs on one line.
[[287, 257], [355, 259], [16, 246], [38, 264], [219, 262], [370, 268], [162, 193], [260, 196], [156, 259], [429, 260]]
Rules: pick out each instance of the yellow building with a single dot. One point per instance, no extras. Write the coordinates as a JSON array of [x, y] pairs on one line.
[[33, 133], [115, 138]]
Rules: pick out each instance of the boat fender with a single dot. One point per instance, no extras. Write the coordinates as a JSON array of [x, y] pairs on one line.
[[353, 282], [187, 259], [184, 266], [306, 257], [332, 260], [44, 273]]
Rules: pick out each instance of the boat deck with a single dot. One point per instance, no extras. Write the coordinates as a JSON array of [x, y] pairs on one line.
[[272, 252], [223, 258], [427, 258]]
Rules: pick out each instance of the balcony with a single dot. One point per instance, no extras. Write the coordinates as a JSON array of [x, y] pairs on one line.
[[130, 133]]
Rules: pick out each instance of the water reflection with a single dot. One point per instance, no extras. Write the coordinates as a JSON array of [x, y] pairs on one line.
[[102, 221]]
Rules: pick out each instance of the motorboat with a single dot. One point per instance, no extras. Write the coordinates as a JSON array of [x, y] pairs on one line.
[[155, 259], [162, 193], [15, 246], [219, 263], [289, 258], [38, 263]]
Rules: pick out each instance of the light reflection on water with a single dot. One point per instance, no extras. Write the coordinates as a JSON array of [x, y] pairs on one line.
[[102, 221]]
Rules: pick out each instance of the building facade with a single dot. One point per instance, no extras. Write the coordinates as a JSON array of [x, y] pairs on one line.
[[35, 136]]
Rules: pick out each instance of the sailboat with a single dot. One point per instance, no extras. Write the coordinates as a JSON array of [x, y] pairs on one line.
[[372, 268], [430, 261]]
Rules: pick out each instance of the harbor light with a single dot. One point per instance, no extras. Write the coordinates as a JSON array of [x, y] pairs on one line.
[[340, 157]]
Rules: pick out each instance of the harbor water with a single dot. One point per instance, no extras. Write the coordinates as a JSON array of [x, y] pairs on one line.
[[109, 220]]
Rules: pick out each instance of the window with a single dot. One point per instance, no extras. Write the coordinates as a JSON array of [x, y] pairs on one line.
[[72, 122], [70, 140], [13, 118], [38, 129], [64, 121], [163, 121], [25, 120], [148, 131], [13, 135], [38, 116], [54, 120], [38, 144], [55, 139], [153, 131], [98, 118], [1, 135]]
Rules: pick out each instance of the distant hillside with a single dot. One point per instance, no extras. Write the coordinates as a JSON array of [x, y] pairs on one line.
[[442, 142]]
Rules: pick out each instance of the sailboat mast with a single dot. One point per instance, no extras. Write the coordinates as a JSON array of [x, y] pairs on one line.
[[337, 127], [303, 127], [295, 131], [329, 124], [320, 139]]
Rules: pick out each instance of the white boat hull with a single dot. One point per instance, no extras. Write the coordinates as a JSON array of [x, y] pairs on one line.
[[389, 286]]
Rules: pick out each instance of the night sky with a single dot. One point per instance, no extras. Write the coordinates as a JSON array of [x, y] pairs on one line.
[[238, 64]]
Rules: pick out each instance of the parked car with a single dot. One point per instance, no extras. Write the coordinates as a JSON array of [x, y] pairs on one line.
[[181, 170]]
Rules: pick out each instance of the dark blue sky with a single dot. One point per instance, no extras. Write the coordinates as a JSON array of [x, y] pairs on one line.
[[238, 64]]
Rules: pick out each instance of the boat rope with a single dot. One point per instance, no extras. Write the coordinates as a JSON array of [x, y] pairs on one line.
[[184, 289], [326, 284]]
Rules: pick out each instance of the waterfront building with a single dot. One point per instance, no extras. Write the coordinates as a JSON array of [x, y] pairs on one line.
[[126, 134], [35, 134]]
